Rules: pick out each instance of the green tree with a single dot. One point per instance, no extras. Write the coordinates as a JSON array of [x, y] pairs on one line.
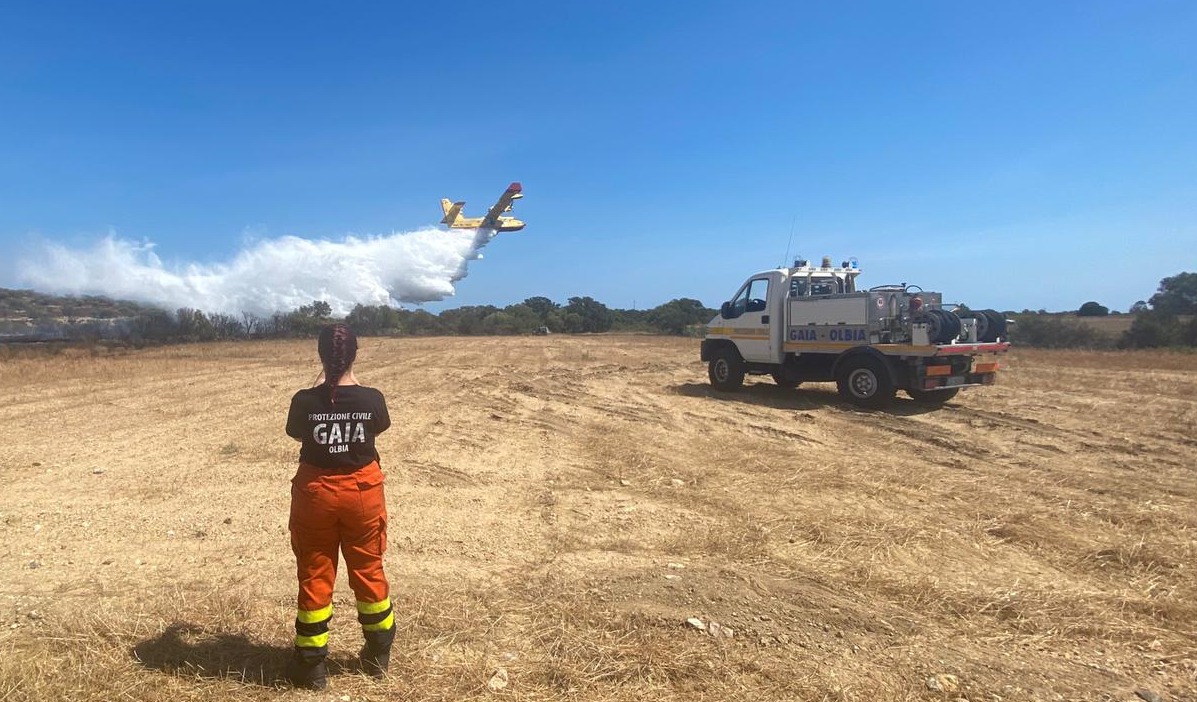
[[374, 320], [421, 322], [1152, 329], [305, 321], [675, 316], [321, 309], [521, 319], [194, 325], [572, 322], [592, 315], [1188, 333], [1177, 295], [630, 321], [466, 320], [548, 313], [154, 326], [511, 321], [1054, 332], [542, 307], [555, 320], [1093, 309]]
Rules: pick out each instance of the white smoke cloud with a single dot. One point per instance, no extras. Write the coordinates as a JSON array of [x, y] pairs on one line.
[[268, 276]]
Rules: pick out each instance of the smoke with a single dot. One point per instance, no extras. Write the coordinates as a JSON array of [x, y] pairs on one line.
[[268, 276]]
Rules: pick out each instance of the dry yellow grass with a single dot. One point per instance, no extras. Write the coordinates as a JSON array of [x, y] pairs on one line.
[[560, 506]]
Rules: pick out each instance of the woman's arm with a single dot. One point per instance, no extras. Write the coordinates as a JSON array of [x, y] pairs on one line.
[[295, 419], [382, 420]]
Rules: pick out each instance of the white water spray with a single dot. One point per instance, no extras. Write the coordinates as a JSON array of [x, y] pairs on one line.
[[274, 275]]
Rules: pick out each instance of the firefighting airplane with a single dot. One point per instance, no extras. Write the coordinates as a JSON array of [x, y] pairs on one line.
[[494, 219]]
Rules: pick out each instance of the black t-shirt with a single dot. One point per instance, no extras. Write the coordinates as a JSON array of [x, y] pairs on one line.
[[338, 435]]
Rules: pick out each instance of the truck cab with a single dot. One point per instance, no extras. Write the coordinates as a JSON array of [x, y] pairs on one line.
[[747, 317]]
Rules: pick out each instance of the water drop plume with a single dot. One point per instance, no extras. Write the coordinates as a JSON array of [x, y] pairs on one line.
[[267, 276]]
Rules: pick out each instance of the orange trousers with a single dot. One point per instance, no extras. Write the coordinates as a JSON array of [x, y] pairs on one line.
[[343, 512]]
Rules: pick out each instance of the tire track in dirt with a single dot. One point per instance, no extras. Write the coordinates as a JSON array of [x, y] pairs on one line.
[[1077, 439], [759, 429]]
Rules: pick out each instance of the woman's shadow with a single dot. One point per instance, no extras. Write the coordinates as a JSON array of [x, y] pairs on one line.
[[191, 650]]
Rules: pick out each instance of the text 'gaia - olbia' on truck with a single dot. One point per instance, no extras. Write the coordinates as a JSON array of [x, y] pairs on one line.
[[809, 323]]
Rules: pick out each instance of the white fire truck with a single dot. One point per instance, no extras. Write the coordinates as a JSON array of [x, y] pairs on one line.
[[810, 323]]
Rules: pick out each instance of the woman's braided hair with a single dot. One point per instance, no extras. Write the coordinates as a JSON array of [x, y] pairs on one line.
[[338, 348]]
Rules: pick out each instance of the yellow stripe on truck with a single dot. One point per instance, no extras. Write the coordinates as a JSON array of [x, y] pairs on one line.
[[739, 333], [817, 346]]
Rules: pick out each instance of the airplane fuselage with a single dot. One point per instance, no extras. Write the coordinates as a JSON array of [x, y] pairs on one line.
[[506, 224]]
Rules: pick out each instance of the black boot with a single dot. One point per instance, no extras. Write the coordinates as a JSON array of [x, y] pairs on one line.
[[307, 672], [376, 654], [375, 661]]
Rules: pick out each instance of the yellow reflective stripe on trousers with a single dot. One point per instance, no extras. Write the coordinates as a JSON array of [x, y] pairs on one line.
[[382, 625], [313, 616], [373, 607], [312, 641]]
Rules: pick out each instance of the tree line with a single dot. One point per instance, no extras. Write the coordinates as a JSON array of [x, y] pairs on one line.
[[534, 315], [1167, 319]]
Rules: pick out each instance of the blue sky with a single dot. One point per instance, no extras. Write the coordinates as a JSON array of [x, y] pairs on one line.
[[1012, 155]]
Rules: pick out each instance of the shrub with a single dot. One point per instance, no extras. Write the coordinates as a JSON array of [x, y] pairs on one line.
[[1053, 332]]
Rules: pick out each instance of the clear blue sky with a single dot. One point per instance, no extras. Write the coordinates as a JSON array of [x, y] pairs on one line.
[[1009, 154]]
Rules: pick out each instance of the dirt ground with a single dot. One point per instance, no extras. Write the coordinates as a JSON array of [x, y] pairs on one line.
[[561, 506]]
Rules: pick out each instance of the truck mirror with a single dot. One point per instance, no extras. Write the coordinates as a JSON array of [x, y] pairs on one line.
[[725, 310]]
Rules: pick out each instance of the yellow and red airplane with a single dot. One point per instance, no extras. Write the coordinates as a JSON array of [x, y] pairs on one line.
[[494, 219]]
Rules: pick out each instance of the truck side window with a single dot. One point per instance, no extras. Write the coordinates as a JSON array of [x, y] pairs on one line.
[[758, 293], [752, 297]]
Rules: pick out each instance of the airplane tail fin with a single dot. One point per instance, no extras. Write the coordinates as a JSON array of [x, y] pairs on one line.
[[452, 211]]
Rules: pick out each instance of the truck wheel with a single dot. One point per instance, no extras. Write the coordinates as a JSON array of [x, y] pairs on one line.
[[726, 370], [864, 381], [933, 398], [785, 382]]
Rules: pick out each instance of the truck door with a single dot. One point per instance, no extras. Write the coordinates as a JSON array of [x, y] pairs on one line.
[[749, 323]]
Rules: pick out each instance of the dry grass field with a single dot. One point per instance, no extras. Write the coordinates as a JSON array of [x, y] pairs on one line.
[[560, 506]]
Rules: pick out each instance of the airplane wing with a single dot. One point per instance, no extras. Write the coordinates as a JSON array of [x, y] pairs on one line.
[[491, 220]]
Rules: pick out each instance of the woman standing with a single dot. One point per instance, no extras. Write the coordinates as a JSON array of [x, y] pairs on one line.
[[337, 504]]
